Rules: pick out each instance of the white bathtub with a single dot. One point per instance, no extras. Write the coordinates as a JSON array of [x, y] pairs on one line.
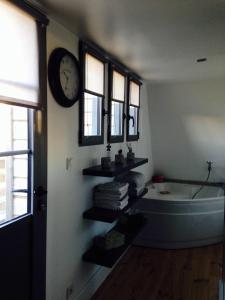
[[174, 220]]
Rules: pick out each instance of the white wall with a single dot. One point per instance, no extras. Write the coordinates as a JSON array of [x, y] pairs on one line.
[[188, 127], [69, 193]]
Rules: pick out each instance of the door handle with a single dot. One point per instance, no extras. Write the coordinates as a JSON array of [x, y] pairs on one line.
[[40, 192]]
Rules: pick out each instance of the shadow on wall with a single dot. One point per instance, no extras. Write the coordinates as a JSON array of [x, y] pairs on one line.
[[188, 128], [207, 136]]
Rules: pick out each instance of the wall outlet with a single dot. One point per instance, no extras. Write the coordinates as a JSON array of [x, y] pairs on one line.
[[69, 292]]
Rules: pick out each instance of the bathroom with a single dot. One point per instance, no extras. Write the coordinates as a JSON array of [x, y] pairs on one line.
[[175, 51], [181, 127]]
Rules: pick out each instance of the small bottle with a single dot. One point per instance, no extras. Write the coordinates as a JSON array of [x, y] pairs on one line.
[[130, 153], [106, 161], [119, 158], [108, 151]]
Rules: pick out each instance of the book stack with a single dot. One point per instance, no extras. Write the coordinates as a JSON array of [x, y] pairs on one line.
[[111, 195]]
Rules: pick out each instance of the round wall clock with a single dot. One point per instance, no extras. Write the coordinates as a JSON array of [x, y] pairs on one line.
[[64, 77]]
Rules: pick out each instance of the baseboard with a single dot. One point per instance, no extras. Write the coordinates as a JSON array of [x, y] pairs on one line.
[[93, 284], [143, 242]]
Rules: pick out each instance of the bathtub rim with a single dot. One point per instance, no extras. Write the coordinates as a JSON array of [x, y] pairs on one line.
[[189, 182]]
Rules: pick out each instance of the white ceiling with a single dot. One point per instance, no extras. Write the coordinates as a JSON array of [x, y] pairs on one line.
[[159, 39]]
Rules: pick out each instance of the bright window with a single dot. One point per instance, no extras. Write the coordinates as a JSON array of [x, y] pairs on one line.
[[92, 99], [116, 105], [19, 71], [92, 115], [21, 63], [14, 161], [94, 74], [133, 111]]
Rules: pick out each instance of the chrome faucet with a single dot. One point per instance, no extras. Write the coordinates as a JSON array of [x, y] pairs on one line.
[[209, 163]]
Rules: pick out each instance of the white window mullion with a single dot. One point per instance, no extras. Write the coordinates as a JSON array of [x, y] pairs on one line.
[[9, 187]]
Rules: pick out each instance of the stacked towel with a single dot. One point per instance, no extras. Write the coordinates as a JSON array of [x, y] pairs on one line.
[[136, 182], [111, 195]]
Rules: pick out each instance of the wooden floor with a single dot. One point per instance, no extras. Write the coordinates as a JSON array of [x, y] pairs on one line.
[[152, 274]]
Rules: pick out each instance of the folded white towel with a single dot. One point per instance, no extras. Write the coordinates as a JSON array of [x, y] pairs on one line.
[[116, 205], [113, 187], [109, 196], [112, 203]]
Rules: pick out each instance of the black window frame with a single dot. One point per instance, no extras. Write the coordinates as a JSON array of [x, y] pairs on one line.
[[119, 69], [136, 137], [90, 140]]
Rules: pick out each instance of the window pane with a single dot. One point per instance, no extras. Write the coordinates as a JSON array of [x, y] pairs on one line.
[[13, 177], [134, 93], [19, 113], [19, 130], [133, 112], [19, 204], [116, 118], [19, 49], [94, 74], [92, 115], [118, 86], [14, 119], [20, 166]]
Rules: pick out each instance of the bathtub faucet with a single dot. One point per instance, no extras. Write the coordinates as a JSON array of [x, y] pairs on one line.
[[209, 163]]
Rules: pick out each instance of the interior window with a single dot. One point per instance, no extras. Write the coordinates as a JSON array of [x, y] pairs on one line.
[[116, 105], [92, 115], [92, 101], [133, 110]]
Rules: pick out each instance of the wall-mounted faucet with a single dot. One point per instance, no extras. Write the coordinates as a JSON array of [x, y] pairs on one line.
[[209, 163]]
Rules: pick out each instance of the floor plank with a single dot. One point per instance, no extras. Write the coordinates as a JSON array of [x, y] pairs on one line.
[[154, 274]]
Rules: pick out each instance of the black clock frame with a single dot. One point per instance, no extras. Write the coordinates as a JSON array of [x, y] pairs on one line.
[[54, 77]]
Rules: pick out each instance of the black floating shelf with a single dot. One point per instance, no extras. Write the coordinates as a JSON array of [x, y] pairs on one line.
[[109, 258], [115, 170], [107, 215]]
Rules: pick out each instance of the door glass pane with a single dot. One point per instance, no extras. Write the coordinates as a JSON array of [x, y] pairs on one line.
[[116, 118], [13, 186], [133, 112], [13, 128], [19, 204], [92, 115]]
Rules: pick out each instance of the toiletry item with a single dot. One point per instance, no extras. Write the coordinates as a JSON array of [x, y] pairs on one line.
[[158, 178], [130, 153], [119, 158], [106, 161], [111, 240], [108, 150]]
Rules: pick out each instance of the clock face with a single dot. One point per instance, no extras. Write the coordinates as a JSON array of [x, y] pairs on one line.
[[69, 78], [63, 75]]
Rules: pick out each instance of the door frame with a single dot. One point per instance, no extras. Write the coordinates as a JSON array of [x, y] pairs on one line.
[[40, 177]]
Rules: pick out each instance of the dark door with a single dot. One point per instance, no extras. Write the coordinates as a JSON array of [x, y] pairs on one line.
[[22, 151], [22, 203]]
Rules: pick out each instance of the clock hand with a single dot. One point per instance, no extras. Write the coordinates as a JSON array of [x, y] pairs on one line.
[[68, 71], [65, 75], [67, 79]]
